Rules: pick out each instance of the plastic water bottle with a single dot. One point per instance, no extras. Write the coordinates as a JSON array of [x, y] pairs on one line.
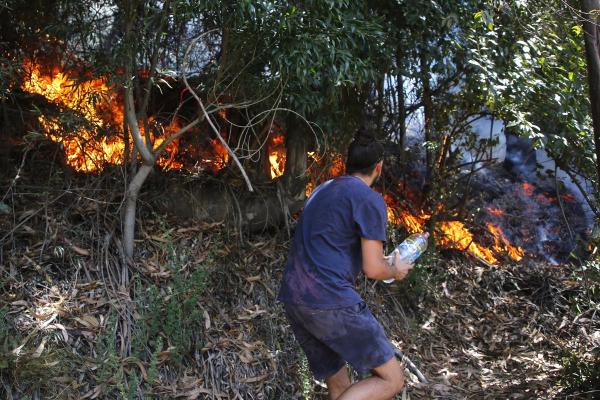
[[410, 249]]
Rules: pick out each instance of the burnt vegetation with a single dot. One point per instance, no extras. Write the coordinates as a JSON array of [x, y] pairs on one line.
[[155, 157]]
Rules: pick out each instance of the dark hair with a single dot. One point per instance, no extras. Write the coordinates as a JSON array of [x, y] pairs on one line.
[[363, 153]]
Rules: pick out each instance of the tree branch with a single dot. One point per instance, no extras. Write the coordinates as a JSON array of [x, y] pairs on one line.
[[210, 122], [134, 128], [180, 132]]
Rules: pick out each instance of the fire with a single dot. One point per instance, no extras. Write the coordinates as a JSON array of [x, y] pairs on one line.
[[454, 234], [501, 243], [457, 236], [496, 212], [99, 141], [323, 167], [527, 188], [337, 165], [277, 154], [84, 152], [215, 156]]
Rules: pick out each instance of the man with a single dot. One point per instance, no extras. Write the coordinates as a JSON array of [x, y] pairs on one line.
[[341, 233]]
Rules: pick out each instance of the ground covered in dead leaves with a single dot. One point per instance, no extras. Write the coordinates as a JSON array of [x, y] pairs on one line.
[[197, 318]]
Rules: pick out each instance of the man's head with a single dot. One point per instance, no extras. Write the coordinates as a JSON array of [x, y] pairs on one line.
[[365, 155]]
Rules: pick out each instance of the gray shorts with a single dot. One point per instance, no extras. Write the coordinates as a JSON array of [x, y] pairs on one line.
[[332, 337]]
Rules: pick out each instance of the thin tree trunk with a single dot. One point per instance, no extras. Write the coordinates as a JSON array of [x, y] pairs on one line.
[[296, 144], [380, 105], [130, 208], [401, 101], [590, 10], [428, 110]]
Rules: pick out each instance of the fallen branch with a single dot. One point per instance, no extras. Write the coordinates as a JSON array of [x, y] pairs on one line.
[[411, 366]]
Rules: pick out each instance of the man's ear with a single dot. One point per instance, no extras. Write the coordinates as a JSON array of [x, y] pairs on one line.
[[379, 167]]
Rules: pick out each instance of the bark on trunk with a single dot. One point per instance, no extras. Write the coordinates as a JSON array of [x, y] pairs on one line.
[[296, 161], [591, 20], [130, 207], [428, 109], [401, 97], [401, 112]]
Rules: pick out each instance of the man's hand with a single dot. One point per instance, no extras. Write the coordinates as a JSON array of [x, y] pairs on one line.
[[400, 267], [376, 266]]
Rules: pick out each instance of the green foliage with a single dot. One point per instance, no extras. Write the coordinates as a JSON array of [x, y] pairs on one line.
[[109, 371], [580, 374], [581, 366], [153, 367], [174, 313], [589, 274], [305, 374], [530, 70], [132, 384], [419, 281]]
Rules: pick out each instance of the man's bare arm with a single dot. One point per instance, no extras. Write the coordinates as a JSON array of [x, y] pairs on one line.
[[375, 266]]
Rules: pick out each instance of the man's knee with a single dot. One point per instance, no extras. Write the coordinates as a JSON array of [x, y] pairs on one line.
[[392, 372], [338, 383], [399, 381]]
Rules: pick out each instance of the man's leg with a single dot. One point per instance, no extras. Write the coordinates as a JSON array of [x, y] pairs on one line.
[[386, 382], [338, 383]]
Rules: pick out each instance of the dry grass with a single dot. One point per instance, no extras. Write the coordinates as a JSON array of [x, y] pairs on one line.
[[475, 331]]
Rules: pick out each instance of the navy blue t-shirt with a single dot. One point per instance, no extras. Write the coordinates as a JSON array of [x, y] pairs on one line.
[[325, 258]]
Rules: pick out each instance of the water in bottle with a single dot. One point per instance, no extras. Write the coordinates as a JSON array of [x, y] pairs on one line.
[[410, 249]]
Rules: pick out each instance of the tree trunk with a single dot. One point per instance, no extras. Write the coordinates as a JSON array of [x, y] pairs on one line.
[[401, 99], [213, 202], [428, 110], [130, 207], [590, 10], [401, 112], [380, 110], [296, 144]]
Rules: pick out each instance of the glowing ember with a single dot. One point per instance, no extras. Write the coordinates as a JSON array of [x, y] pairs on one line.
[[215, 156], [495, 212], [338, 167], [310, 186], [542, 198], [527, 188]]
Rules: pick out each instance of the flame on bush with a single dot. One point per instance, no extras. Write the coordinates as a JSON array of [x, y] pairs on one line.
[[98, 141], [454, 234]]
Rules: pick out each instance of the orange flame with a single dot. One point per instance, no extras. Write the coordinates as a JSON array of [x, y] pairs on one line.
[[277, 155], [83, 151], [457, 236], [337, 165], [527, 188], [501, 243], [496, 212], [322, 168], [454, 234], [91, 149], [215, 156]]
